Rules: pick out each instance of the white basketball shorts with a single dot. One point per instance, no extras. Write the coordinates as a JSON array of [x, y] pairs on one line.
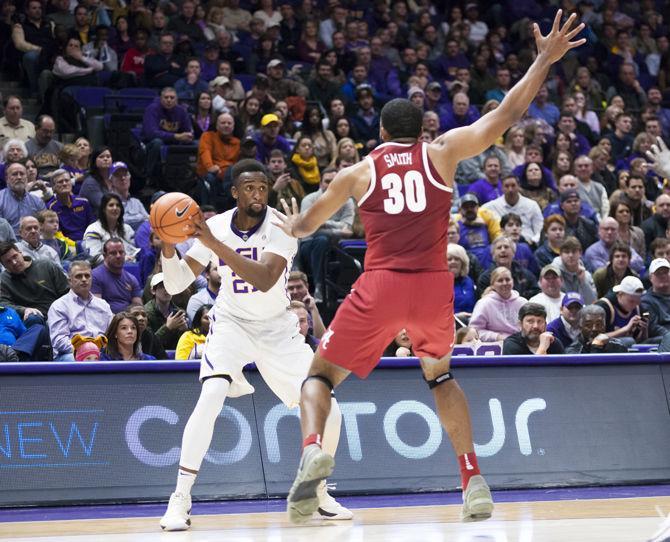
[[274, 345]]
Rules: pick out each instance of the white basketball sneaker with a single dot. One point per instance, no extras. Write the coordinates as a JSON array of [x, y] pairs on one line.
[[477, 500], [329, 508], [663, 533], [178, 514], [315, 466]]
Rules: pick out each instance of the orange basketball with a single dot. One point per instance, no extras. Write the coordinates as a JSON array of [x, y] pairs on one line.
[[170, 217]]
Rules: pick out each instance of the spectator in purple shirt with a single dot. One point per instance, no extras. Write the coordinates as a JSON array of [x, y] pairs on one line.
[[568, 126], [164, 122], [488, 188], [74, 213], [269, 139], [459, 114], [542, 108], [112, 282], [447, 63], [78, 311]]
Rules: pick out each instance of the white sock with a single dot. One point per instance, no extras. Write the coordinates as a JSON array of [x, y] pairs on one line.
[[331, 433], [185, 481], [199, 431]]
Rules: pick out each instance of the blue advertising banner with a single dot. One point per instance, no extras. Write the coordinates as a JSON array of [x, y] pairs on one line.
[[117, 436]]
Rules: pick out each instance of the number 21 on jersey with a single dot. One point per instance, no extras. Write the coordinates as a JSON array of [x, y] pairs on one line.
[[407, 192]]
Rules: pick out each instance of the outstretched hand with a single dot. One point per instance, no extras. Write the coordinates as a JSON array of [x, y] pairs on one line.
[[660, 158], [285, 221], [555, 44]]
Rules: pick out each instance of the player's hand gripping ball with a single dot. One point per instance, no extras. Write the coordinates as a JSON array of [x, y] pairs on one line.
[[171, 216]]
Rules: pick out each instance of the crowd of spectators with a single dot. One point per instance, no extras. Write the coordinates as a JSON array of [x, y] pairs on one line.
[[559, 239]]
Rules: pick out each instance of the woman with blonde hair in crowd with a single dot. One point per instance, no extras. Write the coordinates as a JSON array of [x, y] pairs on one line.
[[601, 171], [496, 314], [515, 146], [85, 152], [213, 23], [465, 295], [345, 151]]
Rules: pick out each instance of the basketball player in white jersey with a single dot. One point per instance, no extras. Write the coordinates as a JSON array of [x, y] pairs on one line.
[[250, 321]]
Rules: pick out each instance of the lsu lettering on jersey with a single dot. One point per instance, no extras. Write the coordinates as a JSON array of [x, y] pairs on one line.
[[405, 210], [237, 297]]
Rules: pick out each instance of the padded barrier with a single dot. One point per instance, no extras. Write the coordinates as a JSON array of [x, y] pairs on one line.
[[102, 432]]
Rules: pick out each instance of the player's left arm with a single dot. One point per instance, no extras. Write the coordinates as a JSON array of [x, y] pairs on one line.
[[262, 274], [468, 141], [300, 225]]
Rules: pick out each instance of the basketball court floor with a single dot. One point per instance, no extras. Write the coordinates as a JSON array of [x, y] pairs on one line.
[[625, 514]]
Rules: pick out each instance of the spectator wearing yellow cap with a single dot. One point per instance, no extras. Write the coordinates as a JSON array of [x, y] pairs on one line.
[[269, 139]]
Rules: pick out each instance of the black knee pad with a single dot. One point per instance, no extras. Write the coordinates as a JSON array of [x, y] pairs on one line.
[[445, 377], [225, 377], [323, 379]]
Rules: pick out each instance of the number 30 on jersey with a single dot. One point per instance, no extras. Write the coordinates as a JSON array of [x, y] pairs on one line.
[[408, 192]]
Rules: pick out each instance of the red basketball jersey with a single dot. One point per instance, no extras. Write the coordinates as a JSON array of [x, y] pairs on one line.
[[405, 210]]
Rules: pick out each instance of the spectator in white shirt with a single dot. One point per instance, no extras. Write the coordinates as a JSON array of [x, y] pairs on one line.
[[513, 202], [551, 295]]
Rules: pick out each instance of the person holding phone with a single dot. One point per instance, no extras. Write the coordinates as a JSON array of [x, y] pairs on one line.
[[623, 318], [166, 320]]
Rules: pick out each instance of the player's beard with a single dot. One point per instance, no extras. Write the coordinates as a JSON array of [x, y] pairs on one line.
[[254, 213]]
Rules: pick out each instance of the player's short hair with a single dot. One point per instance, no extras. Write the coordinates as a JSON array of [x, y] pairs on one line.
[[532, 309], [401, 118], [295, 304], [248, 165]]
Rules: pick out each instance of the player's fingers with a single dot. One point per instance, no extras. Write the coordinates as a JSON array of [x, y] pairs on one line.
[[577, 43], [575, 31], [285, 206], [557, 21], [281, 216], [568, 24], [536, 32], [294, 206], [661, 144], [651, 156]]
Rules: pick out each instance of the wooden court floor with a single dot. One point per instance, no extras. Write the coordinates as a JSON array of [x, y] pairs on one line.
[[606, 520]]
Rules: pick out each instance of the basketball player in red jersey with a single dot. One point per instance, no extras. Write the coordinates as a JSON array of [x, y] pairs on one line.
[[404, 190]]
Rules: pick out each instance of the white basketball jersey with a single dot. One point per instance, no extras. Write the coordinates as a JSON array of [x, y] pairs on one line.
[[237, 297]]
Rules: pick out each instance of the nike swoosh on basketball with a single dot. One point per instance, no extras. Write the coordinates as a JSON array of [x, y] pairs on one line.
[[181, 213]]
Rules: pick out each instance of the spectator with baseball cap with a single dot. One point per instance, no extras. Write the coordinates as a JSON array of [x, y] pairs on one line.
[[575, 224], [566, 326], [165, 318], [623, 317], [134, 212], [269, 139], [656, 301], [551, 296]]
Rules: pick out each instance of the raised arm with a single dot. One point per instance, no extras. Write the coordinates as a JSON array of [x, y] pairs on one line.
[[341, 188], [472, 140]]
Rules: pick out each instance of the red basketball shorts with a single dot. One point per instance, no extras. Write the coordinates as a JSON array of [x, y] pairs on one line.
[[380, 304]]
